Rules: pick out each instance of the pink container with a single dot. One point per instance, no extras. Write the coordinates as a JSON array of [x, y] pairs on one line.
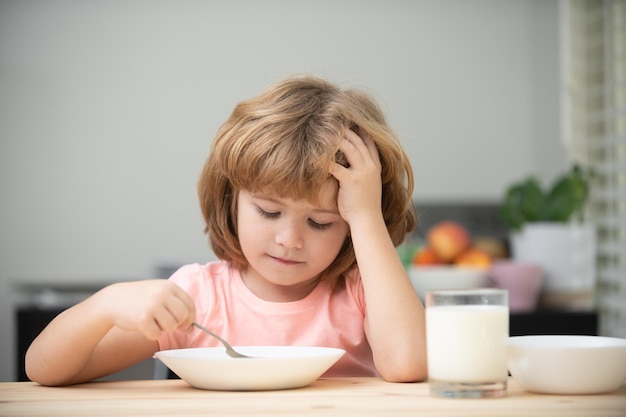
[[523, 280]]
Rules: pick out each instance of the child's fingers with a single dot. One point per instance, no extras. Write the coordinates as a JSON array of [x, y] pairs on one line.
[[362, 146], [150, 327], [373, 151], [188, 307], [357, 142], [180, 312], [338, 171]]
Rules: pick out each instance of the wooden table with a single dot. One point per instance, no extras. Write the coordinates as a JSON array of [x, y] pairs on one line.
[[333, 397]]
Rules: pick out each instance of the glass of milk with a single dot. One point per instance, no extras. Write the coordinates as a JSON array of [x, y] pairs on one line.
[[466, 339]]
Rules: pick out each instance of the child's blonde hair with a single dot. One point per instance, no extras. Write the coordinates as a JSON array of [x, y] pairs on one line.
[[283, 142]]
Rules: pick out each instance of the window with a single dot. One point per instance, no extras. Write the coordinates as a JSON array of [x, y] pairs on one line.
[[594, 100]]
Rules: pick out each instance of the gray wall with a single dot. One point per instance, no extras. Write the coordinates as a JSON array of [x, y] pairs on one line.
[[107, 110]]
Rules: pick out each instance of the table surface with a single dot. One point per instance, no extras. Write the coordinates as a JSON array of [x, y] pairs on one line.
[[341, 396]]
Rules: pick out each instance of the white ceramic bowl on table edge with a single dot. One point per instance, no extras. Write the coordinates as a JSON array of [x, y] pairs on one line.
[[270, 368], [567, 364], [445, 277]]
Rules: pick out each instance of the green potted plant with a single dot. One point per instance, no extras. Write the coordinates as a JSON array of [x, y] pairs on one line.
[[526, 201], [547, 227]]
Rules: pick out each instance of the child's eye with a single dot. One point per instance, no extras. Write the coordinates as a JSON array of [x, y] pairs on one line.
[[267, 214], [319, 226]]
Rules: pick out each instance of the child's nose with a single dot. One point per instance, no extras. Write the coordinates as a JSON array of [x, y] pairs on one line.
[[290, 236]]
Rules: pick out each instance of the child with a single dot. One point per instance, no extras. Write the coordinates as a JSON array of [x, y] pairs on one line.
[[305, 193]]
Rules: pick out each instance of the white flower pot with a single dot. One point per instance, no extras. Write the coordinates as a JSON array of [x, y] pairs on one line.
[[566, 252]]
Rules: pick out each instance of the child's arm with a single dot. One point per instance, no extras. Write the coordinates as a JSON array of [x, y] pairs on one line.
[[111, 330], [395, 323]]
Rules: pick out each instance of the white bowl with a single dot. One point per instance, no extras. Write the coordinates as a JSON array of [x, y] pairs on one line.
[[568, 364], [428, 278], [271, 368]]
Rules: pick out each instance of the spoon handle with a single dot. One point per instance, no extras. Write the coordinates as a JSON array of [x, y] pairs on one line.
[[229, 349]]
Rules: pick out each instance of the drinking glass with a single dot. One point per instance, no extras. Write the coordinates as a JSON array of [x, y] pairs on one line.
[[466, 339]]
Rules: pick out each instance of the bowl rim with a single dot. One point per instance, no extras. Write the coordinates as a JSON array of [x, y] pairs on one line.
[[565, 341], [307, 352]]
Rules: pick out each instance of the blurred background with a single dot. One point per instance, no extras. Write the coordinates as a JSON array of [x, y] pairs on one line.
[[108, 109]]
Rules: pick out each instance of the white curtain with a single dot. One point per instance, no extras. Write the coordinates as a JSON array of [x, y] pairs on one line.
[[594, 99]]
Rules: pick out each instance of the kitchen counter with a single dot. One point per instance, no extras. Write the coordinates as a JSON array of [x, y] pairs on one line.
[[341, 397]]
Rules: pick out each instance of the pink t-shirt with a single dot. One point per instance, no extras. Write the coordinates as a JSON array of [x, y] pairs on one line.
[[225, 305]]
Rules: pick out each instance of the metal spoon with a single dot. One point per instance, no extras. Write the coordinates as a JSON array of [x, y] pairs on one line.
[[229, 349]]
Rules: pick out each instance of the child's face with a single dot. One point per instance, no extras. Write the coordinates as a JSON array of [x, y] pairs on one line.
[[288, 243]]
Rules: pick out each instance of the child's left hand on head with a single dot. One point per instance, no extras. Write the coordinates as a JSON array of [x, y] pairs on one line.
[[360, 184]]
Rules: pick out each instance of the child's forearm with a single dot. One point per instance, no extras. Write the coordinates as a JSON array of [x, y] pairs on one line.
[[395, 315], [59, 354]]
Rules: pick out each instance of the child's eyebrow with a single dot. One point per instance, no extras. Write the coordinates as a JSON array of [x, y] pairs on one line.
[[320, 210], [326, 211]]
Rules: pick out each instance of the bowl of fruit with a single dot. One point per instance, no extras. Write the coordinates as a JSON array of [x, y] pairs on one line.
[[449, 259]]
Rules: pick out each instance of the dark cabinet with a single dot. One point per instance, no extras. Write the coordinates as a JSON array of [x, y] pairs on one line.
[[554, 322]]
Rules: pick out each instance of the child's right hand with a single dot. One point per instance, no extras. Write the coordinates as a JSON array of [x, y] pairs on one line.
[[149, 306]]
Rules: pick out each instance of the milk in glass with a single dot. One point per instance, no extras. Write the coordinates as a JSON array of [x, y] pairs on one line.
[[466, 339], [467, 343]]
